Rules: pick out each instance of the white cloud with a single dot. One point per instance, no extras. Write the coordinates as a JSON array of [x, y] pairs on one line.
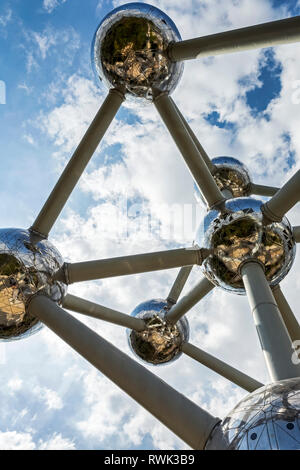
[[50, 5], [44, 43], [16, 441], [29, 139], [56, 442], [13, 440], [40, 45], [15, 384], [5, 18], [23, 86], [66, 124], [51, 398]]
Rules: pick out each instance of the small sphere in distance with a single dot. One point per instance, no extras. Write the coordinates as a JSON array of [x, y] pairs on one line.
[[233, 175], [230, 175], [160, 342], [130, 50], [236, 234], [25, 269]]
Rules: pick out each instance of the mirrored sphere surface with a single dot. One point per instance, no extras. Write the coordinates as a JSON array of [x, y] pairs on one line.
[[267, 419], [129, 50], [25, 269], [237, 234], [231, 175], [160, 342]]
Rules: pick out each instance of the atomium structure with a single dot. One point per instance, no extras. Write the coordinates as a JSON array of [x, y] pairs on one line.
[[243, 245]]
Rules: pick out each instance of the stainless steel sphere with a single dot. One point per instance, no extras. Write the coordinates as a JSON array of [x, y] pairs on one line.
[[129, 50], [230, 175], [160, 342], [267, 419], [25, 268], [233, 175], [237, 234]]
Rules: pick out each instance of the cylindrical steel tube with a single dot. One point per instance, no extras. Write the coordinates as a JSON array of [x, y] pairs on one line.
[[296, 233], [287, 315], [261, 190], [221, 368], [274, 337], [69, 178], [252, 37], [84, 307], [200, 149], [188, 421], [189, 300], [100, 269], [179, 284], [188, 149]]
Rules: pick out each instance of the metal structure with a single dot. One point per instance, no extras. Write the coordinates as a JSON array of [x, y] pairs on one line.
[[243, 245]]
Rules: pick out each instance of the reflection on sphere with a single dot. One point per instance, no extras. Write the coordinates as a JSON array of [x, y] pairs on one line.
[[129, 50], [230, 174], [25, 269], [267, 419], [237, 234], [233, 175], [160, 342]]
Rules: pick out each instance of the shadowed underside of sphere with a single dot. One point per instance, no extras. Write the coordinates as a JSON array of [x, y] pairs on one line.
[[25, 269], [267, 419], [160, 342], [129, 50], [238, 234]]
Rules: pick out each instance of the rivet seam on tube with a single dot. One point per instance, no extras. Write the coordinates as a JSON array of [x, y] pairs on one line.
[[118, 92], [31, 297], [169, 51], [160, 95], [264, 303], [250, 260], [39, 234]]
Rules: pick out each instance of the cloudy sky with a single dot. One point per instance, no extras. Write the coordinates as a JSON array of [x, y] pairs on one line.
[[244, 105]]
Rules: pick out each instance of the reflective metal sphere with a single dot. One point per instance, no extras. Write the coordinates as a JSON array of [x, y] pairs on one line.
[[129, 50], [237, 234], [160, 342], [267, 419], [231, 175], [25, 268]]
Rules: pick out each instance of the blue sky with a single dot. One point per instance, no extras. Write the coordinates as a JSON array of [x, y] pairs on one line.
[[242, 105]]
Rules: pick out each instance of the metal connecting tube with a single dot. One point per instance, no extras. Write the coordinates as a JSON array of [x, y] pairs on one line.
[[69, 178], [287, 315], [272, 332], [253, 37], [84, 307], [296, 234], [261, 190], [283, 200], [135, 264], [189, 301], [183, 417], [200, 149], [189, 151], [221, 368], [179, 284]]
